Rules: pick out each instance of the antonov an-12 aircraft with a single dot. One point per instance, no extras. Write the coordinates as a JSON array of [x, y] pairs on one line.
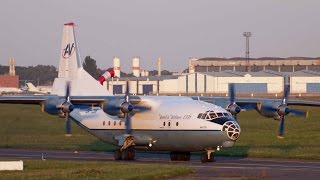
[[179, 125]]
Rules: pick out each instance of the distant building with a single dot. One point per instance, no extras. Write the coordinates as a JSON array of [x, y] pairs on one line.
[[9, 81], [291, 64]]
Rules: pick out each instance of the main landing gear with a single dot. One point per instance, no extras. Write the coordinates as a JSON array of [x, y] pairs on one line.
[[207, 156], [127, 150], [180, 156]]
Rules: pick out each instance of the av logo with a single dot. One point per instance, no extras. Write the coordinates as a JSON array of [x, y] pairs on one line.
[[68, 51]]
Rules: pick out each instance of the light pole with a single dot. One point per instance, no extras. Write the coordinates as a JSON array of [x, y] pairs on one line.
[[247, 35]]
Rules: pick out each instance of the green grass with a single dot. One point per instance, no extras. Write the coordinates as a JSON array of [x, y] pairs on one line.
[[34, 169], [24, 126]]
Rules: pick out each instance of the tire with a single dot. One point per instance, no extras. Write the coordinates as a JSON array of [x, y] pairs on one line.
[[204, 158], [118, 155], [173, 156], [211, 157]]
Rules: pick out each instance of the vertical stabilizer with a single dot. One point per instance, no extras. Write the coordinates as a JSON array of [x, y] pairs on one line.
[[70, 60], [71, 70]]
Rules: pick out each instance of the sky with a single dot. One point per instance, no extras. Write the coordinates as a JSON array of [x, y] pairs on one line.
[[174, 30]]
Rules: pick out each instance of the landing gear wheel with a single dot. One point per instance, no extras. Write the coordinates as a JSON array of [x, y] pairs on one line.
[[211, 157], [117, 155], [128, 154], [173, 156], [185, 156], [204, 158]]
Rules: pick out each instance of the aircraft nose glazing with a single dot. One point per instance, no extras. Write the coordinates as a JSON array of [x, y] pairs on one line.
[[232, 129]]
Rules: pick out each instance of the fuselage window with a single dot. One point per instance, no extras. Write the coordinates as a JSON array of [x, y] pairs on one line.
[[104, 123], [109, 123], [120, 123], [177, 123], [168, 123], [114, 123], [164, 123]]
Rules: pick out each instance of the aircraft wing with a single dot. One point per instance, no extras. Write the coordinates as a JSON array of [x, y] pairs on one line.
[[23, 99]]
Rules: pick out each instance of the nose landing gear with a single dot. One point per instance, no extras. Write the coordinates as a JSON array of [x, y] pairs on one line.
[[207, 156]]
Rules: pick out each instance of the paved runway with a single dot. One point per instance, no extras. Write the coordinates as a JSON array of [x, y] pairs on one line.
[[223, 168]]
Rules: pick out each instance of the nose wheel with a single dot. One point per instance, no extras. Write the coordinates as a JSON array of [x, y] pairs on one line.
[[207, 156]]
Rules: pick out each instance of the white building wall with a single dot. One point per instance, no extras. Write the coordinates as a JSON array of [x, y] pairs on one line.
[[299, 84], [200, 83], [191, 83], [169, 86], [182, 84]]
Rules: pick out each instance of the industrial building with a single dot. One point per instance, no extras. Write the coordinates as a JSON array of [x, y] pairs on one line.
[[262, 82], [291, 64], [10, 80], [207, 77]]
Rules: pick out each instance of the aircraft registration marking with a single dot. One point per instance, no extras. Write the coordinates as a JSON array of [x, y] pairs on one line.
[[174, 116]]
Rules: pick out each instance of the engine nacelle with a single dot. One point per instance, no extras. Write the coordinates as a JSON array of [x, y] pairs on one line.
[[283, 110], [113, 106], [272, 110], [234, 109], [58, 107]]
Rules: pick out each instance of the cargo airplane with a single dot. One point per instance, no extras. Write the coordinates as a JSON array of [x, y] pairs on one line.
[[179, 125]]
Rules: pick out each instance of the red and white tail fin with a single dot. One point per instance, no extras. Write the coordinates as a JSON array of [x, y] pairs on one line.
[[70, 69]]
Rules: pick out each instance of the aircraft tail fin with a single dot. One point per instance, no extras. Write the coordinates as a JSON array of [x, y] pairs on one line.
[[30, 86], [70, 60], [71, 70]]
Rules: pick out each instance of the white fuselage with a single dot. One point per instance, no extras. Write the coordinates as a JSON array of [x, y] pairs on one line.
[[172, 124]]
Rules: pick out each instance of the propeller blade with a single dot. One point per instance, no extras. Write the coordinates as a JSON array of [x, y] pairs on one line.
[[298, 112], [281, 128], [232, 93], [285, 94], [141, 109], [68, 126], [128, 123], [67, 97]]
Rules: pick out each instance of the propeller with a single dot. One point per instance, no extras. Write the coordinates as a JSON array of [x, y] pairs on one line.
[[67, 107], [126, 108], [233, 108], [284, 110]]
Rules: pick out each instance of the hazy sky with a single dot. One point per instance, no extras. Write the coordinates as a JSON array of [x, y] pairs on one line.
[[174, 30]]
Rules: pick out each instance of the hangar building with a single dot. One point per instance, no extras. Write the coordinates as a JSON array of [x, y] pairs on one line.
[[291, 64], [261, 82]]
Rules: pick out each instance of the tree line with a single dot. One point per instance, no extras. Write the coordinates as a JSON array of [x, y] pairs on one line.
[[44, 75]]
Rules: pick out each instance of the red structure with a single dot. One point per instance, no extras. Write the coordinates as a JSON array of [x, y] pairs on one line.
[[9, 81]]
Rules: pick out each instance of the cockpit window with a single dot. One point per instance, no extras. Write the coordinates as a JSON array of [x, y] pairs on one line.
[[219, 114], [203, 116], [213, 115], [226, 114], [200, 115]]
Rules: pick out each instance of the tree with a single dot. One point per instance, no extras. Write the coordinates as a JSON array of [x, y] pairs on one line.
[[90, 65]]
